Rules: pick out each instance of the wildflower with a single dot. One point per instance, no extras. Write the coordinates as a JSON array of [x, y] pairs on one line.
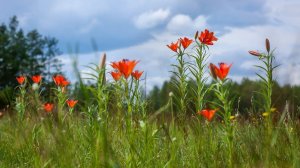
[[272, 110], [207, 113], [265, 114], [60, 80], [115, 65], [48, 107], [72, 103], [220, 72], [232, 117], [173, 46], [116, 75], [207, 37], [255, 53], [126, 67], [36, 78], [21, 79], [185, 42], [35, 86], [137, 74]]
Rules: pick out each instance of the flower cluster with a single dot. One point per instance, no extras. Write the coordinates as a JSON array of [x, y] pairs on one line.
[[184, 42], [203, 41], [59, 81], [125, 68]]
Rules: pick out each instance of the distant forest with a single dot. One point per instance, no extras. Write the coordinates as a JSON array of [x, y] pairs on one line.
[[245, 93]]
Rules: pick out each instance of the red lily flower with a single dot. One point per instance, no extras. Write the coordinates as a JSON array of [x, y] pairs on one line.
[[60, 80], [137, 74], [116, 75], [207, 37], [126, 67], [115, 65], [255, 53], [36, 78], [72, 103], [48, 107], [207, 113], [220, 72], [185, 42], [21, 79], [173, 46]]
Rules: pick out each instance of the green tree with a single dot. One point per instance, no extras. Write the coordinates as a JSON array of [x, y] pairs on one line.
[[26, 53]]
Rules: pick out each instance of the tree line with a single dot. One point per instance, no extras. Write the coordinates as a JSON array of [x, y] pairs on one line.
[[245, 94], [24, 53]]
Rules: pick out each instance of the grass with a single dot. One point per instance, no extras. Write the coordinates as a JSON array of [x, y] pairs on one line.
[[80, 143]]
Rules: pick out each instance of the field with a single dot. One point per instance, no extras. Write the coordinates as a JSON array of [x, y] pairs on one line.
[[108, 123]]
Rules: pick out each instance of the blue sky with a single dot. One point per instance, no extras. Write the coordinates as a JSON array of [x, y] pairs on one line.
[[141, 29]]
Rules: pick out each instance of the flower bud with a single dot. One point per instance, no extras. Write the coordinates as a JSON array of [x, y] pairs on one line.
[[35, 86], [255, 53], [212, 68], [171, 94], [268, 45], [196, 35]]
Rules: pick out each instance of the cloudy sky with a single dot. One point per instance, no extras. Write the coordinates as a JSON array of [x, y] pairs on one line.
[[141, 29]]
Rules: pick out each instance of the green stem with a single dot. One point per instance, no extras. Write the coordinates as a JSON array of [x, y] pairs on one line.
[[182, 85]]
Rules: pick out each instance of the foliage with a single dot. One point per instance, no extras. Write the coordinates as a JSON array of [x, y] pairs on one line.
[[244, 93], [26, 53]]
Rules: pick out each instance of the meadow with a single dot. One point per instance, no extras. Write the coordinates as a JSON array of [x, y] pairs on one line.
[[109, 124]]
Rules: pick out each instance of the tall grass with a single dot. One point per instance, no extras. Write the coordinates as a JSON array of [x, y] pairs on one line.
[[79, 143]]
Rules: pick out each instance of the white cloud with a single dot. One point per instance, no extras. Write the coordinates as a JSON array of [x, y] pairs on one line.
[[232, 46], [184, 24], [283, 33], [151, 19], [286, 12], [155, 58]]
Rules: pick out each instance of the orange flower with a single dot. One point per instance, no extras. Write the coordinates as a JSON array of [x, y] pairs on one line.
[[116, 75], [115, 65], [137, 74], [207, 37], [185, 42], [220, 72], [207, 113], [60, 80], [48, 107], [21, 79], [255, 53], [72, 103], [173, 46], [126, 67], [36, 78]]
